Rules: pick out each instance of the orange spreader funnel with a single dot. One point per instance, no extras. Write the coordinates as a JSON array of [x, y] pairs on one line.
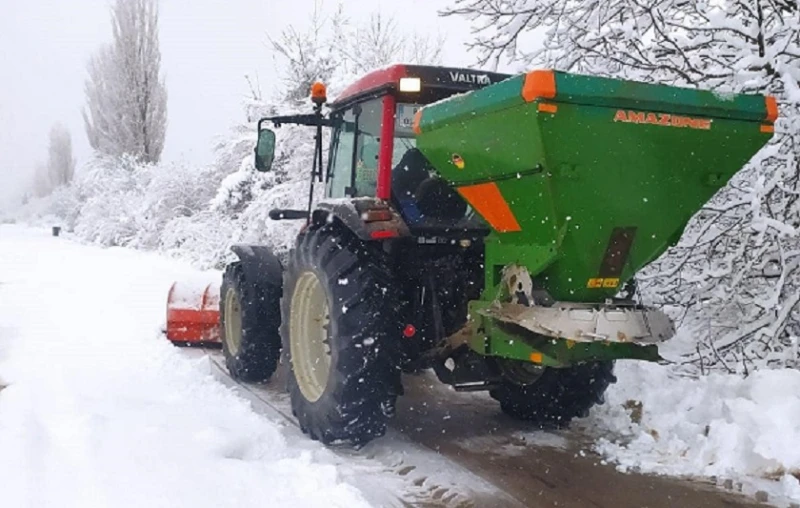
[[193, 313]]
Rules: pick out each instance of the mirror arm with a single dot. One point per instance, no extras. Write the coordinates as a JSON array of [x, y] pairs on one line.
[[313, 120]]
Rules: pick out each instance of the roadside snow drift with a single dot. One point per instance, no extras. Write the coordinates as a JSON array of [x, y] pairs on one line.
[[724, 426], [100, 411]]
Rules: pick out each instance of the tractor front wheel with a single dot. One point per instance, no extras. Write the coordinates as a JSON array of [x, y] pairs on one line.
[[249, 326], [339, 329], [548, 397]]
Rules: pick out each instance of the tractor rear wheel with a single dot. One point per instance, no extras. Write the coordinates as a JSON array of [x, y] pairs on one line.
[[548, 397], [339, 331], [249, 326]]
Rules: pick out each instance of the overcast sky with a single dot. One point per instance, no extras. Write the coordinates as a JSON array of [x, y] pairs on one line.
[[208, 46]]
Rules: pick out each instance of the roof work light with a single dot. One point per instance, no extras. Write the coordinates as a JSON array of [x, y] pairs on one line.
[[410, 84]]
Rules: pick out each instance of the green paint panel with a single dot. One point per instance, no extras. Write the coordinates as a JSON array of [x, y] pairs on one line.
[[615, 93], [574, 176]]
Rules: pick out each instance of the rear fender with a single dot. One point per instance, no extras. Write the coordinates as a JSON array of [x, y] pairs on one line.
[[355, 216], [260, 265]]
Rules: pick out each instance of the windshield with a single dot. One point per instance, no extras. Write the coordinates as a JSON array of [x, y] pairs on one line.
[[403, 130]]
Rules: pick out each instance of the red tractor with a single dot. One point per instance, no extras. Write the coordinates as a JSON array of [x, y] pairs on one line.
[[378, 278], [358, 300]]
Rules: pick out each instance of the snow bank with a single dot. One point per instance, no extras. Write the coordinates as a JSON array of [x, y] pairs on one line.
[[101, 411], [724, 426]]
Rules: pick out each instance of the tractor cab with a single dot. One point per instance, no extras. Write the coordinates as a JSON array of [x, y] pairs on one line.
[[373, 150]]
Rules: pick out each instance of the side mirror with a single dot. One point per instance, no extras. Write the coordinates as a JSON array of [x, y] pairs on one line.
[[265, 150]]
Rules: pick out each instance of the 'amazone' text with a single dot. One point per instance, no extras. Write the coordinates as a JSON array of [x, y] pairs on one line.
[[664, 119]]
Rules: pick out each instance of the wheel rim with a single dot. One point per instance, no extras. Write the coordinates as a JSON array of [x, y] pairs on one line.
[[233, 322], [309, 336], [520, 373]]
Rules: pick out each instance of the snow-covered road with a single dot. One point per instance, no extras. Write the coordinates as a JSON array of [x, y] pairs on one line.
[[98, 411]]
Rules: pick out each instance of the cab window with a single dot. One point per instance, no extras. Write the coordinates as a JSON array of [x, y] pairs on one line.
[[341, 157], [357, 133]]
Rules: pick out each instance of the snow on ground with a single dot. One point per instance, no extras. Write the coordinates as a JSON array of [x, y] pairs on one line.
[[735, 429], [96, 409], [100, 411]]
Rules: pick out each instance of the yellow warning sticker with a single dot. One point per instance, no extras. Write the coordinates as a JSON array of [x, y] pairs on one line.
[[602, 283]]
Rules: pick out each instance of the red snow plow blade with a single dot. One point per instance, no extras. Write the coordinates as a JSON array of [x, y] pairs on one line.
[[193, 314]]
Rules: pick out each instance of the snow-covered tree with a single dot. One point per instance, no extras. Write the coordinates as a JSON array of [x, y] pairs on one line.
[[736, 272], [126, 99], [335, 50], [60, 162], [306, 54], [42, 186], [379, 42]]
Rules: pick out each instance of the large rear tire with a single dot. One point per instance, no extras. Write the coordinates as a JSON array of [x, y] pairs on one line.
[[339, 331], [552, 398], [249, 326]]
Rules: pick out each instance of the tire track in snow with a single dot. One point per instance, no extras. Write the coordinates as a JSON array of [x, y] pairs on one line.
[[424, 478]]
